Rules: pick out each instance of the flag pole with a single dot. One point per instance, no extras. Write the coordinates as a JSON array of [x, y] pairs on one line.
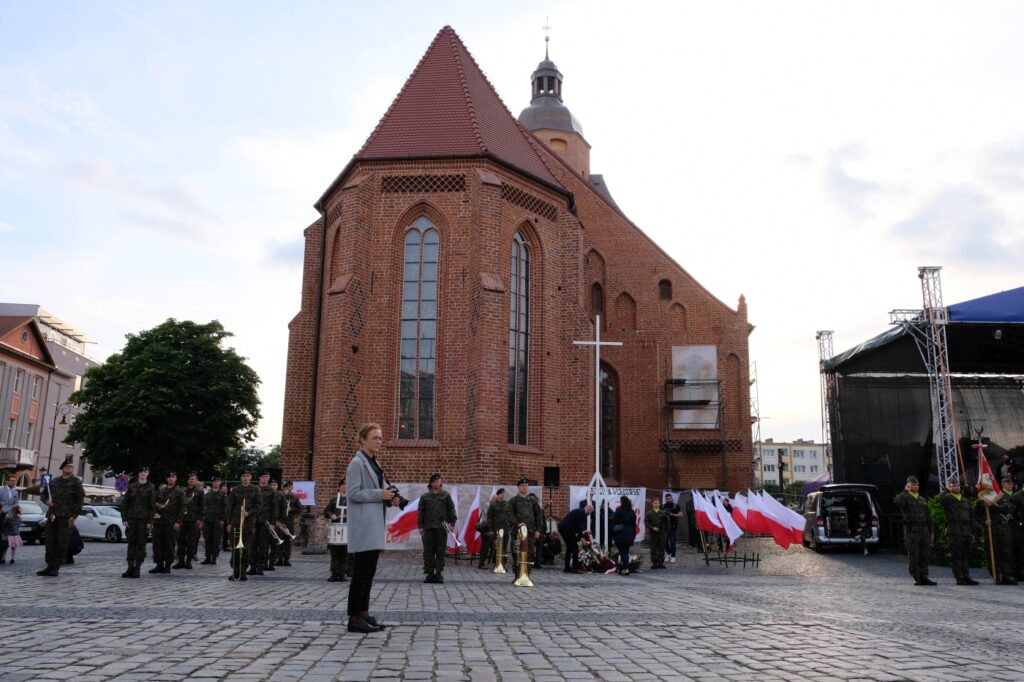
[[991, 547]]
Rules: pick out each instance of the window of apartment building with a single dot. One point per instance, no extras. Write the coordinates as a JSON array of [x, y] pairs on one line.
[[814, 468], [799, 469], [28, 436], [18, 377], [769, 468], [768, 454], [36, 383], [13, 422], [798, 454]]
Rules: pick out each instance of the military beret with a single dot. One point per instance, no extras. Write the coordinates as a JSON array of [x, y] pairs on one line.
[[435, 477], [286, 484], [500, 491], [69, 461], [264, 472], [246, 471], [911, 479], [523, 480], [215, 478], [141, 469], [171, 473]]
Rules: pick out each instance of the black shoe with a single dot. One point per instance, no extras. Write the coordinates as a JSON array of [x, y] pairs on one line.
[[45, 571], [157, 569], [429, 578], [440, 578], [286, 563], [334, 579], [128, 572], [180, 564], [927, 581], [188, 565], [205, 562], [970, 581], [270, 567], [375, 623], [360, 625], [251, 571], [70, 560], [1007, 581], [167, 568]]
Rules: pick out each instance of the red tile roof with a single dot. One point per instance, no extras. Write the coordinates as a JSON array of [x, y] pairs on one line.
[[447, 108]]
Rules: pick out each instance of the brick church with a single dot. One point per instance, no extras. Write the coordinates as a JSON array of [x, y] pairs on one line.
[[457, 258]]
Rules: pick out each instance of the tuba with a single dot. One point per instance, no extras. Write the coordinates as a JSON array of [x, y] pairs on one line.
[[523, 573], [499, 551]]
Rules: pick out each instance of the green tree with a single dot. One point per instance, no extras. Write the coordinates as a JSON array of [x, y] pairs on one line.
[[252, 458], [173, 399]]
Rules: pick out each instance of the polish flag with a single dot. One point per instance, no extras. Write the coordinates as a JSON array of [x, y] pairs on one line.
[[988, 486], [469, 535], [739, 510], [756, 522], [453, 546], [732, 531], [404, 523], [787, 526], [706, 515]]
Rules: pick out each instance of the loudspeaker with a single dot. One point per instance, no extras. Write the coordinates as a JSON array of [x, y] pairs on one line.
[[552, 476]]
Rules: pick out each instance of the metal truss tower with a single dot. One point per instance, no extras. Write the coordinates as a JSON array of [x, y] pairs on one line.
[[928, 327], [824, 338], [755, 421]]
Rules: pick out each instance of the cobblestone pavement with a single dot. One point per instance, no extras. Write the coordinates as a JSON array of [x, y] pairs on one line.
[[797, 616]]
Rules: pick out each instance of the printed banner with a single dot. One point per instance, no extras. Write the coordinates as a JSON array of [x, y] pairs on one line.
[[303, 492]]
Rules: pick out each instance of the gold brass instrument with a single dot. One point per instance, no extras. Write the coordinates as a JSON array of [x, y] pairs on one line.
[[284, 529], [499, 552], [523, 574], [241, 525], [451, 533], [273, 533]]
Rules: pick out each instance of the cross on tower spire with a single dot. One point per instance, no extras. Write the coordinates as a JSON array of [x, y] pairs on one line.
[[547, 34]]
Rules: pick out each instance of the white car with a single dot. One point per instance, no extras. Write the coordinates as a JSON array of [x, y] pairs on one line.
[[101, 522]]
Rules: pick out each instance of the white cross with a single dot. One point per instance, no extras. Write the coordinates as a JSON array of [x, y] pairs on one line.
[[597, 480]]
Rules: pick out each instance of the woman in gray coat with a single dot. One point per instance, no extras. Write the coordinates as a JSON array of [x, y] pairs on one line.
[[368, 499]]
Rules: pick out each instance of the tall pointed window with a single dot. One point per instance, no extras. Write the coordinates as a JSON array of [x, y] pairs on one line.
[[419, 332], [518, 340]]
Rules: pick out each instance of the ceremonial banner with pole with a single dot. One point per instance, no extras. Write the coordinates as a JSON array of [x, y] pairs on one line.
[[597, 483], [988, 491]]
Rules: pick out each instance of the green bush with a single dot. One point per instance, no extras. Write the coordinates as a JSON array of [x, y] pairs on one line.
[[940, 549]]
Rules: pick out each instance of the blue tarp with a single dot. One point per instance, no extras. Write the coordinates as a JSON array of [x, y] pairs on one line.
[[1004, 307]]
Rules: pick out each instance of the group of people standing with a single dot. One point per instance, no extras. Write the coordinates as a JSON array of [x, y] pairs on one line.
[[1001, 518], [255, 522]]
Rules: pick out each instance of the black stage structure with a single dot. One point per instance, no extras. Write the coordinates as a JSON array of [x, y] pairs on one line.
[[880, 405]]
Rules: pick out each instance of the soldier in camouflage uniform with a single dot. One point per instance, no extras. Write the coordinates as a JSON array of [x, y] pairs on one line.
[[524, 508], [500, 518], [1017, 533], [267, 517], [280, 509], [959, 531], [289, 513], [170, 500], [994, 515], [489, 537], [63, 497], [193, 511], [248, 495], [917, 530], [436, 508], [215, 505], [137, 512], [657, 524], [340, 560]]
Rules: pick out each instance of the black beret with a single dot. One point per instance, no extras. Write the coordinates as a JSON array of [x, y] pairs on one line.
[[286, 484], [500, 491], [435, 477], [69, 461], [911, 479], [523, 480]]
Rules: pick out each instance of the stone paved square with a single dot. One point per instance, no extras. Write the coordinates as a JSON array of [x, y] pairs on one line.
[[799, 616]]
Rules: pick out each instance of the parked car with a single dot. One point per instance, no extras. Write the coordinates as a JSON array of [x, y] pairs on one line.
[[832, 512], [101, 522], [33, 521]]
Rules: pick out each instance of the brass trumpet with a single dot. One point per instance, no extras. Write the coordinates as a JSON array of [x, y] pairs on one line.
[[273, 533], [523, 574], [284, 529], [499, 552], [451, 533]]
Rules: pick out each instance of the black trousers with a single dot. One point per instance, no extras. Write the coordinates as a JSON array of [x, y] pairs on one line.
[[212, 532], [572, 550], [623, 554], [364, 567], [187, 535], [339, 560]]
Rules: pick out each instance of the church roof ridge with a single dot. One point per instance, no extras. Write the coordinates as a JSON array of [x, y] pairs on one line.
[[447, 107]]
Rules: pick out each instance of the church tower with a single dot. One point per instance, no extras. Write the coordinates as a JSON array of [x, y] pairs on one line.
[[551, 121]]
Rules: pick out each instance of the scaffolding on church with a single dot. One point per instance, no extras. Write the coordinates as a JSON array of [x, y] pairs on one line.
[[694, 399]]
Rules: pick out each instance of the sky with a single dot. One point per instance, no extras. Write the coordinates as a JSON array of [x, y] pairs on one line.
[[161, 159]]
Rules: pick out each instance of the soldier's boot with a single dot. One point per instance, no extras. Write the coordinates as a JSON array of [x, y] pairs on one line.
[[159, 568], [135, 569], [167, 567], [188, 564], [286, 562], [270, 565], [180, 564], [213, 561], [439, 577], [205, 562], [128, 571], [48, 571]]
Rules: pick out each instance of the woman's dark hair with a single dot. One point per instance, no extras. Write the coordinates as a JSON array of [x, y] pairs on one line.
[[625, 502]]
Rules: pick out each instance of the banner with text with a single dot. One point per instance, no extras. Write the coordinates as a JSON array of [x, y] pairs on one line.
[[611, 497]]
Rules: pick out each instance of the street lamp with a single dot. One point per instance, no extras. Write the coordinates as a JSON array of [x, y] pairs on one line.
[[61, 411]]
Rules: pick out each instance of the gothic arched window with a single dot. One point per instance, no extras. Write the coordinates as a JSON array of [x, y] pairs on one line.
[[518, 340], [597, 301], [419, 332]]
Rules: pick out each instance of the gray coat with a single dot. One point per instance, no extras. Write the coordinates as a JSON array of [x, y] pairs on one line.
[[366, 510]]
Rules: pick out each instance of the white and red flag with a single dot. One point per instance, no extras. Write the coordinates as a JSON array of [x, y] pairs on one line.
[[404, 523], [739, 511], [470, 536], [453, 545], [787, 526], [756, 522], [732, 531], [988, 486], [705, 514]]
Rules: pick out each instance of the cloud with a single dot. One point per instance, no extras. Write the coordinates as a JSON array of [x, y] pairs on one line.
[[4, 227], [1003, 164], [163, 225], [961, 224], [849, 192], [286, 254]]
